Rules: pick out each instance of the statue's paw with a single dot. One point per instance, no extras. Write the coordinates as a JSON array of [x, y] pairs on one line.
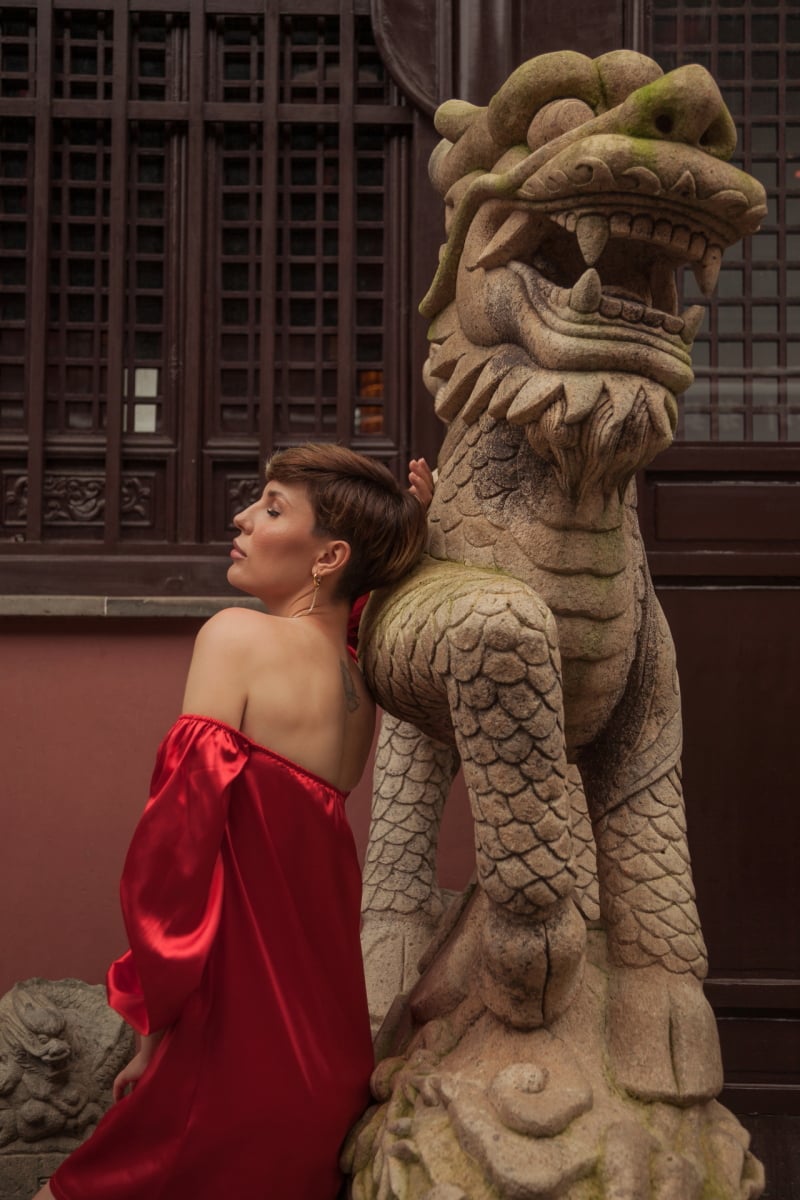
[[392, 945], [662, 1036], [532, 969]]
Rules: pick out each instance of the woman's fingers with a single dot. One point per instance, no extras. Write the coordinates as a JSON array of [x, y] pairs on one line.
[[420, 479]]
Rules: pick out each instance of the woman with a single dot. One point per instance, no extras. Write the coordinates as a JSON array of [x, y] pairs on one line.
[[241, 887]]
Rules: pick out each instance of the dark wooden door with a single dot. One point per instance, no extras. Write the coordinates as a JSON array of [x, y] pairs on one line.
[[723, 532]]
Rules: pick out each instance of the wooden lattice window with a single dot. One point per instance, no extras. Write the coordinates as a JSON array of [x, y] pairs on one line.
[[747, 358], [203, 256], [16, 170]]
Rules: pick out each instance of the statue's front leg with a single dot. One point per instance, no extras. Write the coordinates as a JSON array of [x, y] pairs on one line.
[[504, 688], [662, 1034], [472, 655]]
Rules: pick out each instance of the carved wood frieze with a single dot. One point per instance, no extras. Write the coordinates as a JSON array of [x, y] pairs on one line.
[[78, 499]]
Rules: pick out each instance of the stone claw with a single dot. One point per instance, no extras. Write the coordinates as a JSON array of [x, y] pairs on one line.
[[662, 1036], [532, 969]]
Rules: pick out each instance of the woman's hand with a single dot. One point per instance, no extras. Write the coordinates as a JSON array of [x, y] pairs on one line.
[[420, 481], [129, 1076]]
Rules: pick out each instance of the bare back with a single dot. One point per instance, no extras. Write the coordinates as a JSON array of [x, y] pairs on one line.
[[290, 686]]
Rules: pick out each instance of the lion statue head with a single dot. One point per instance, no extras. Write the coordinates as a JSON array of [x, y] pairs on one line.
[[572, 200]]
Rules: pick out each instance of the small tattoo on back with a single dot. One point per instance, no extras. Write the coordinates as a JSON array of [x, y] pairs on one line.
[[350, 693]]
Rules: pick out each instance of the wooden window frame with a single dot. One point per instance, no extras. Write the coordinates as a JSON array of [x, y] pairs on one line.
[[162, 484], [740, 396]]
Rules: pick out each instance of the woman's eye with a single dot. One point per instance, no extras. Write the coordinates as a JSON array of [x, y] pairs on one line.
[[273, 512]]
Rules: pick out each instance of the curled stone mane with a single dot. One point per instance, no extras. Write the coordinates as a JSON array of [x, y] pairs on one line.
[[595, 429]]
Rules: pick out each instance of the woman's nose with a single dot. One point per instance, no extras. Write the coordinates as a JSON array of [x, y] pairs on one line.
[[240, 518]]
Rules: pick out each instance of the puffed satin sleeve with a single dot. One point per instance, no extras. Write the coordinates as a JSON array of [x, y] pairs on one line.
[[172, 881]]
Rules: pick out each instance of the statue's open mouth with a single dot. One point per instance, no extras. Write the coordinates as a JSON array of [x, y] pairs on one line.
[[570, 257], [606, 273]]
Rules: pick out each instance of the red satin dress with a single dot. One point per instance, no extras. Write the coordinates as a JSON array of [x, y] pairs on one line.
[[241, 896]]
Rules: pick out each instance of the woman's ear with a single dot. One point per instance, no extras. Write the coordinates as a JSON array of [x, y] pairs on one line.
[[334, 558]]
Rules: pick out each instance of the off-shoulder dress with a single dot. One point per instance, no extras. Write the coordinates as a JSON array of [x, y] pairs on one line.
[[241, 897]]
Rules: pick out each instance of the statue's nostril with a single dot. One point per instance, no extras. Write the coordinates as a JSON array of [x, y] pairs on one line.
[[664, 123]]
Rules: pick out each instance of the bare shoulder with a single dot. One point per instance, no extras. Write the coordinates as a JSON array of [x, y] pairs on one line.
[[223, 662], [231, 629], [254, 638]]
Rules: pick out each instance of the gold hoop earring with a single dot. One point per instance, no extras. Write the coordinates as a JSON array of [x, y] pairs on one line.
[[317, 583]]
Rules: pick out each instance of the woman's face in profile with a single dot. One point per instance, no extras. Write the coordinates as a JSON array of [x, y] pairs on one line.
[[274, 551]]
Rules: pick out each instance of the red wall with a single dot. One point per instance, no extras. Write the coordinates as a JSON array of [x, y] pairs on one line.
[[84, 705]]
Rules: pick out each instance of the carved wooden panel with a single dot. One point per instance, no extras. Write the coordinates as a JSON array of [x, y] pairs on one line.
[[722, 512]]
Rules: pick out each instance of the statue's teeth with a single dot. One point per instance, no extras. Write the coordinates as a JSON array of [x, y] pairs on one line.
[[611, 307], [692, 320], [586, 294], [662, 232], [620, 224], [512, 237], [592, 234], [642, 227], [631, 311], [680, 239], [707, 272]]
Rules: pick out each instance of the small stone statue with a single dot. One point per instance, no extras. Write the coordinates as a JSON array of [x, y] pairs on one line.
[[558, 1041], [60, 1048]]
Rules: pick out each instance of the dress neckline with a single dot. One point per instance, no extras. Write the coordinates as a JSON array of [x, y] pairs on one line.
[[282, 758]]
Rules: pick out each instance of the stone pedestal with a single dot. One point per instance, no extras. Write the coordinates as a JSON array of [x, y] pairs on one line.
[[473, 1109]]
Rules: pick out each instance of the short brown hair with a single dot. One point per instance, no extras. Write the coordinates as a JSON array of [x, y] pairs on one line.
[[360, 501]]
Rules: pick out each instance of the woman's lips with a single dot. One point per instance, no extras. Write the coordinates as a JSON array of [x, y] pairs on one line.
[[236, 552]]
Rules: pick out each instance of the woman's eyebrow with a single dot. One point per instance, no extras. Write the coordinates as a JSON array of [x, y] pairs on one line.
[[271, 491]]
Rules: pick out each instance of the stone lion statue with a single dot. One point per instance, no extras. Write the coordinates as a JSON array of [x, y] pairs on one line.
[[60, 1049], [557, 1041]]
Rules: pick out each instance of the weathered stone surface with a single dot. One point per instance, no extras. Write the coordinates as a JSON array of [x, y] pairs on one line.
[[514, 1114], [530, 646], [60, 1048], [21, 1175]]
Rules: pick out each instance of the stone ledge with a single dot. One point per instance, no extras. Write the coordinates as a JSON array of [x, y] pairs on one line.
[[21, 1175], [121, 606]]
